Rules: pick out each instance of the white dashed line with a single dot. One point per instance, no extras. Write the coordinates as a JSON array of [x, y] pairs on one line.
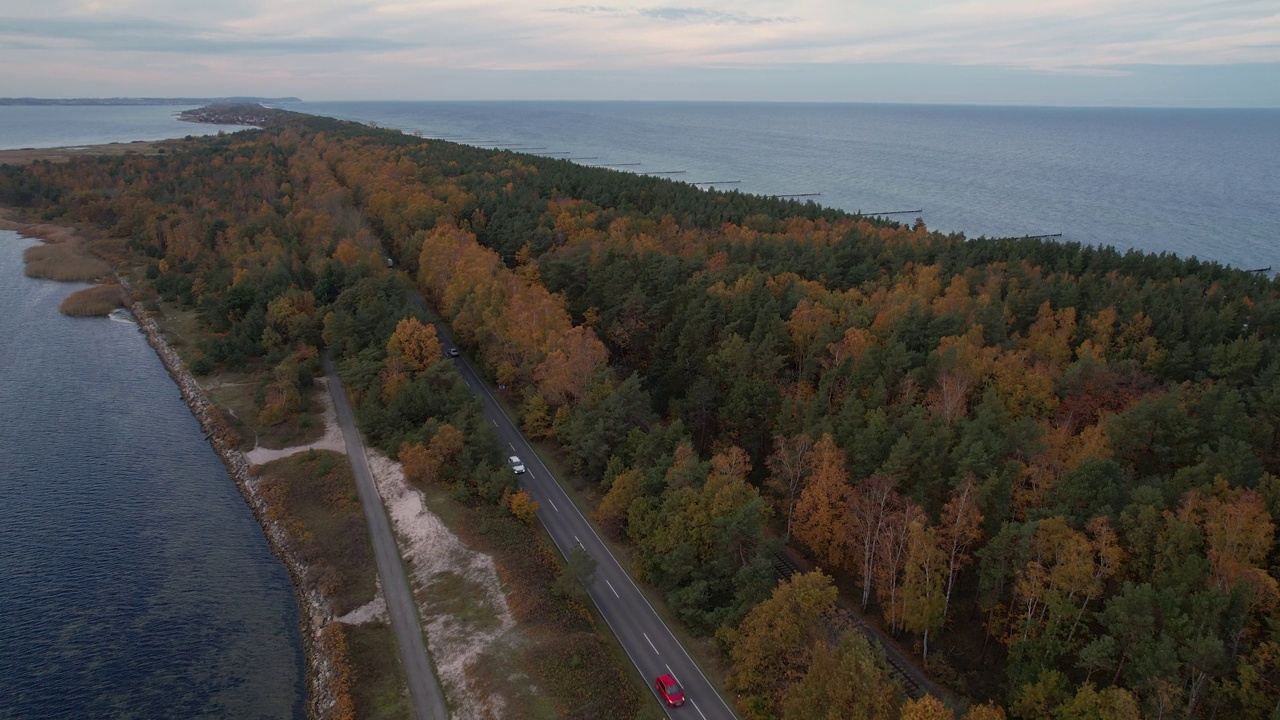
[[575, 539], [553, 504], [695, 707], [495, 422], [615, 592], [655, 647]]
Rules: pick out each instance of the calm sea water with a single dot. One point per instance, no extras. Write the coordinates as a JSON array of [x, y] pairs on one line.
[[1191, 182], [134, 582], [54, 126]]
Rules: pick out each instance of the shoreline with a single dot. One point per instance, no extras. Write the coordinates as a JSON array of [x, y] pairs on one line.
[[319, 670], [63, 153]]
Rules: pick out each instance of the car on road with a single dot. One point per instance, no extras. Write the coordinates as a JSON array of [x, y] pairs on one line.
[[516, 464], [669, 690], [453, 352]]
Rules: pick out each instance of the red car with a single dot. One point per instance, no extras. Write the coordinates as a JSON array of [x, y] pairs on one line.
[[670, 690]]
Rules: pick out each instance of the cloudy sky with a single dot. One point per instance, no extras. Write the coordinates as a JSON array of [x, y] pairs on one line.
[[1096, 52]]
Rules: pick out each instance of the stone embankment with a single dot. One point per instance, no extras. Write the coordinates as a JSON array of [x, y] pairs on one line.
[[311, 605]]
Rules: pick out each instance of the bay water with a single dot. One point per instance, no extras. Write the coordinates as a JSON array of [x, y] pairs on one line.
[[134, 581], [1202, 183], [44, 126]]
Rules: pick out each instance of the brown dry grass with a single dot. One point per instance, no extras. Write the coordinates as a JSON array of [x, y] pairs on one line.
[[380, 690], [26, 156], [63, 261], [98, 301], [313, 495]]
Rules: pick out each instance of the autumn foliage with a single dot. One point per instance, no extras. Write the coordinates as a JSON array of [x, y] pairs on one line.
[[1065, 456]]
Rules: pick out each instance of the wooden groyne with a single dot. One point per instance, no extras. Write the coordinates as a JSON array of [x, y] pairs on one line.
[[896, 212], [716, 182], [796, 195]]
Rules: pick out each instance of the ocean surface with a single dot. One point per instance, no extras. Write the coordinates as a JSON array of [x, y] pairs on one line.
[[62, 126], [1191, 182], [134, 582]]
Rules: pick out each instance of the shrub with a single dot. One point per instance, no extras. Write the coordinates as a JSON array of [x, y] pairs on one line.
[[98, 300], [63, 261]]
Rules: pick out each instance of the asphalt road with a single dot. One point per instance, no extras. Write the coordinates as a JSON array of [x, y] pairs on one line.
[[424, 688], [647, 640]]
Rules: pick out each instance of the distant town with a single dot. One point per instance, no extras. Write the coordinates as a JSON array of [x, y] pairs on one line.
[[229, 114]]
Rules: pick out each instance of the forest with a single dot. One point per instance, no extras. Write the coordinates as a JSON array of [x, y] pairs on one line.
[[1049, 470]]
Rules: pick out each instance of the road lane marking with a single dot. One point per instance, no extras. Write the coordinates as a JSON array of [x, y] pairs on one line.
[[553, 504], [615, 592], [655, 647], [495, 422], [474, 382], [695, 707], [575, 539]]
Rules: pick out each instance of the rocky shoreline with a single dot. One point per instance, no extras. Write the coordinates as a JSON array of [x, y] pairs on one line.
[[313, 611]]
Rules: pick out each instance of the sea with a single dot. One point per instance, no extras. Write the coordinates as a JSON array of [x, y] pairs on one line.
[[134, 581], [1194, 182]]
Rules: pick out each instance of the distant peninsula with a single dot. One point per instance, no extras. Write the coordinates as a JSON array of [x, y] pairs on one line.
[[147, 101]]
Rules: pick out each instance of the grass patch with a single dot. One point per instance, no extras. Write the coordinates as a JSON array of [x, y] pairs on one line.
[[380, 691], [564, 653], [97, 301], [462, 598], [68, 262], [313, 495], [238, 396]]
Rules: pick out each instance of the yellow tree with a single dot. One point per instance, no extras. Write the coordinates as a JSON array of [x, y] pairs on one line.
[[925, 708], [986, 711], [563, 376], [1112, 703], [870, 504], [822, 511], [959, 529], [614, 511], [1239, 534], [850, 680], [415, 344], [772, 646], [891, 558], [420, 467], [923, 598], [789, 468]]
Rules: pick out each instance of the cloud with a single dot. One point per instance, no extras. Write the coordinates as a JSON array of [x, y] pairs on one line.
[[135, 34], [365, 41], [698, 15]]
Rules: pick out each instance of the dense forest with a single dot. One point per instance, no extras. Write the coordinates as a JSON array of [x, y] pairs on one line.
[[1050, 469]]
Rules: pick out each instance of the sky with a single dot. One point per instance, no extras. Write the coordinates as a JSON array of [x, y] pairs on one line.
[[1187, 53]]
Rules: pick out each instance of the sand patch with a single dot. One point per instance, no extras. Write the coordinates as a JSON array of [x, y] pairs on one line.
[[374, 610], [463, 609], [332, 439]]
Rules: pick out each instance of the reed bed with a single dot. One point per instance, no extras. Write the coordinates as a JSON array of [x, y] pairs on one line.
[[98, 300], [68, 262]]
